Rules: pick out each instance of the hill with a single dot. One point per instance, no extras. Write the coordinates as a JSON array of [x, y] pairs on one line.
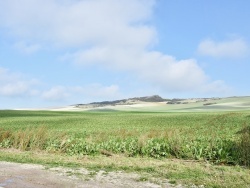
[[129, 101], [159, 104]]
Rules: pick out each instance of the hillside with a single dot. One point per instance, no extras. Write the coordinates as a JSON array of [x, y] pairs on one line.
[[159, 104], [129, 101]]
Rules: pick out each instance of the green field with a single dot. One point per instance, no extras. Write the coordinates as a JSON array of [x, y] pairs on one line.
[[221, 138]]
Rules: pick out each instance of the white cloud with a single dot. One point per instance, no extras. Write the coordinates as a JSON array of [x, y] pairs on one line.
[[81, 93], [109, 33], [14, 84], [56, 93], [234, 48], [217, 87], [17, 85], [151, 67], [171, 74], [80, 23], [98, 91], [26, 48]]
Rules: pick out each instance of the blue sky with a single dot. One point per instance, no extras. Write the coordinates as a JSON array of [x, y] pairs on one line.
[[56, 53]]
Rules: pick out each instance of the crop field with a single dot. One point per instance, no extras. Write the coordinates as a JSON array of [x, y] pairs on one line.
[[216, 137], [140, 141]]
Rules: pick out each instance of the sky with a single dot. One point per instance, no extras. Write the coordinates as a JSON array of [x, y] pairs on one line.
[[63, 52]]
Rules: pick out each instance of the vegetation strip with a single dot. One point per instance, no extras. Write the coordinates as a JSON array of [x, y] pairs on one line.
[[221, 137], [174, 171]]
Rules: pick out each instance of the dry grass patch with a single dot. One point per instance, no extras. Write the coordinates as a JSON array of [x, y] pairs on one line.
[[165, 170]]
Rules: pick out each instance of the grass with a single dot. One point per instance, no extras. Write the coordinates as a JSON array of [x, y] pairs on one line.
[[181, 147], [154, 170]]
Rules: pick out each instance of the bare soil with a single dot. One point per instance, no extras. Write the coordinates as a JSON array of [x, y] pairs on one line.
[[15, 175]]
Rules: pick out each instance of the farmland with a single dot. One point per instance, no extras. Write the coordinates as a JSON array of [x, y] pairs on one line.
[[220, 138]]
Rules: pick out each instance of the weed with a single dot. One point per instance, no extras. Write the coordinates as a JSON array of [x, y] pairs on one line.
[[244, 146], [172, 182], [142, 178], [92, 174]]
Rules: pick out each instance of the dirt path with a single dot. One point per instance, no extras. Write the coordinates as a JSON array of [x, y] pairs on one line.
[[15, 175]]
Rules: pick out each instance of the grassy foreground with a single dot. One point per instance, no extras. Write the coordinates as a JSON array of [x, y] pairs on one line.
[[150, 143]]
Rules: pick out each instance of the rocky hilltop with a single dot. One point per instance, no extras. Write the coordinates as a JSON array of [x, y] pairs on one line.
[[153, 98], [148, 99], [129, 101]]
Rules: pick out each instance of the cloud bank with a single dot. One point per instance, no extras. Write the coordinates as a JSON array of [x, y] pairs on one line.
[[26, 48], [235, 48], [114, 35], [15, 84], [96, 91]]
